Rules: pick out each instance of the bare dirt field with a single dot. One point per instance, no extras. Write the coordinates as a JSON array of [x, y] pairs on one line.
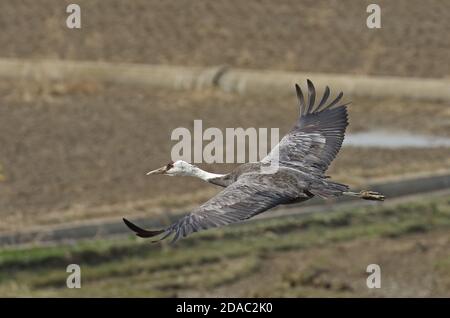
[[72, 151], [307, 35]]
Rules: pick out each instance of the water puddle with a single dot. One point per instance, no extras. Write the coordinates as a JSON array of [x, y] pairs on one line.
[[387, 139]]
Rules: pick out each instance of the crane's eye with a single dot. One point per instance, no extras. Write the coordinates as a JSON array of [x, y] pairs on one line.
[[169, 165]]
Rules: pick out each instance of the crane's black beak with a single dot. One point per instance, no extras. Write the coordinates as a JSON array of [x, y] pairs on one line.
[[161, 170]]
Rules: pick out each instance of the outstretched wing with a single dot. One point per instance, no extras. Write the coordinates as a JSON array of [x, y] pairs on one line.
[[317, 136], [251, 194]]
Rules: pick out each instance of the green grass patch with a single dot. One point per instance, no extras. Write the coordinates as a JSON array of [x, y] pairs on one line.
[[208, 259]]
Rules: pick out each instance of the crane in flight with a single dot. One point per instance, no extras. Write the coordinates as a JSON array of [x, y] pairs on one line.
[[301, 157]]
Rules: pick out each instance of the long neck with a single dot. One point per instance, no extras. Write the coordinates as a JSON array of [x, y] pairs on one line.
[[204, 175]]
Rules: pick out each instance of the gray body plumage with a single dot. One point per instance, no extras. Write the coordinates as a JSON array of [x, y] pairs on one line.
[[303, 156]]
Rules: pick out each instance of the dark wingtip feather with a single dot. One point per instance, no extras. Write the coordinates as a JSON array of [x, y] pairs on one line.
[[301, 99], [325, 96], [336, 100], [140, 231], [311, 95], [177, 236], [168, 232]]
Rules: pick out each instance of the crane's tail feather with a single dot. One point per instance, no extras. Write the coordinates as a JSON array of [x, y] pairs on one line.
[[327, 189], [140, 231]]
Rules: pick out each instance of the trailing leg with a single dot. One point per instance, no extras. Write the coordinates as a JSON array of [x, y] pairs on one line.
[[366, 195]]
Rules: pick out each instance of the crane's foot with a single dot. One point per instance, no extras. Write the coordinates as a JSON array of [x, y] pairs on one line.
[[371, 195]]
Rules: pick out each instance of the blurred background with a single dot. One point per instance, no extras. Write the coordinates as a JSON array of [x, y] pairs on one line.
[[75, 146]]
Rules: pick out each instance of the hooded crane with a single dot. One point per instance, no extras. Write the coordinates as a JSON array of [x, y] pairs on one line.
[[301, 157]]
